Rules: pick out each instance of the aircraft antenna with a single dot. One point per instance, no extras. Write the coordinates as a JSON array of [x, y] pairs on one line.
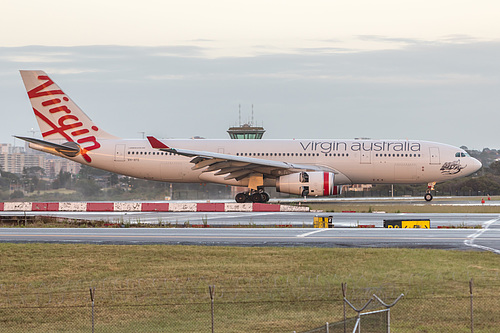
[[251, 124]]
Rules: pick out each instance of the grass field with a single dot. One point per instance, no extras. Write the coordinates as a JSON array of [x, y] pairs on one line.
[[45, 287]]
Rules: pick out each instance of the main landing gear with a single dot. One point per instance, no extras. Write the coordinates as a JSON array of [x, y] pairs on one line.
[[428, 194], [252, 196]]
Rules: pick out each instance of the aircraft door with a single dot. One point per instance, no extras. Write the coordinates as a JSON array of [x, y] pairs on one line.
[[119, 153], [434, 155], [366, 157]]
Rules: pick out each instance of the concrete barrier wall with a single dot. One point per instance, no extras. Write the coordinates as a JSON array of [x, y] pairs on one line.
[[182, 207], [17, 206], [284, 208], [39, 206], [155, 206], [210, 207], [147, 207], [73, 206], [100, 207], [238, 207], [127, 206], [260, 207]]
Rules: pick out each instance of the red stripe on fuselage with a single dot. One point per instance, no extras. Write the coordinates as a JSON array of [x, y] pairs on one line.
[[326, 184]]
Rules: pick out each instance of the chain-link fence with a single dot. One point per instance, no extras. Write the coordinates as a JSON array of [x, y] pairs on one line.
[[189, 306]]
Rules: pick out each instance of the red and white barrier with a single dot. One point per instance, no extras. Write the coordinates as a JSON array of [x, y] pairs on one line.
[[127, 206], [146, 207]]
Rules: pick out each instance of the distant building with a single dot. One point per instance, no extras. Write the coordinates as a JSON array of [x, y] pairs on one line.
[[54, 165], [16, 162], [14, 159], [4, 148], [246, 131]]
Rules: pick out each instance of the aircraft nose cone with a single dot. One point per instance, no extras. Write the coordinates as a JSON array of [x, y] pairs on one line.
[[476, 164]]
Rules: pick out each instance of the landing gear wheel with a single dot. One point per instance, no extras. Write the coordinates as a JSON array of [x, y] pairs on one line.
[[241, 197], [428, 197], [265, 196], [257, 197]]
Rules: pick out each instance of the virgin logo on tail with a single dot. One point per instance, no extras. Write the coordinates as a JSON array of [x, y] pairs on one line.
[[67, 124]]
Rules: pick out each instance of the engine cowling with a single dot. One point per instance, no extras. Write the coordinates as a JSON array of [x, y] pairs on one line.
[[317, 184]]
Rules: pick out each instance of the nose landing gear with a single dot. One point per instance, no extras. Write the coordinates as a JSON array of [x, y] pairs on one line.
[[428, 194]]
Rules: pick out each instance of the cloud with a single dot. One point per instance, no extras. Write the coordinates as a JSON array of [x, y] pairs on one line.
[[392, 40], [441, 91]]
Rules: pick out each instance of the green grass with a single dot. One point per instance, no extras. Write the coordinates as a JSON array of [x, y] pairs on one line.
[[45, 287]]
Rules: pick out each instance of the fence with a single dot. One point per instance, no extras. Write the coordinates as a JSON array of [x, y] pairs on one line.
[[188, 306]]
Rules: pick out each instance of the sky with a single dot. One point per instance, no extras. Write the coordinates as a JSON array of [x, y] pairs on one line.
[[311, 69]]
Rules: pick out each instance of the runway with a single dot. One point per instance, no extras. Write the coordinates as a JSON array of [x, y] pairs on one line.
[[486, 239], [267, 219]]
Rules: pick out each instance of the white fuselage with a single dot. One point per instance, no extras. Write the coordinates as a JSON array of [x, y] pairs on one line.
[[352, 161]]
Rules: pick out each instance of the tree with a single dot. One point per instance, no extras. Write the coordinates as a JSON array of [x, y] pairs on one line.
[[63, 180], [88, 187]]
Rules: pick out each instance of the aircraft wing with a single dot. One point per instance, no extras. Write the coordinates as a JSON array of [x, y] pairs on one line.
[[236, 167]]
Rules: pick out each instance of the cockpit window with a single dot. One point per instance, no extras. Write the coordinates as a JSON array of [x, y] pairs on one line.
[[461, 154]]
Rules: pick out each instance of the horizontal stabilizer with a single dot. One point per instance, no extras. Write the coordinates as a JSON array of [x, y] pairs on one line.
[[70, 149]]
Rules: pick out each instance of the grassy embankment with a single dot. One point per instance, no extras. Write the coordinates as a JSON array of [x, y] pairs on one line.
[[257, 289]]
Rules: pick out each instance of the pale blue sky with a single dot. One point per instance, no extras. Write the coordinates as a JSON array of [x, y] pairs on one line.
[[315, 69]]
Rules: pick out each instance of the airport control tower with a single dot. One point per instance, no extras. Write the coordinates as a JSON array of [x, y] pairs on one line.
[[246, 131]]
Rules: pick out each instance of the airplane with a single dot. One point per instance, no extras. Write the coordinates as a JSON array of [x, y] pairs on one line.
[[308, 168]]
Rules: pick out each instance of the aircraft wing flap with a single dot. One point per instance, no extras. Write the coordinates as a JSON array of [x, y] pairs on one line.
[[238, 175], [205, 162]]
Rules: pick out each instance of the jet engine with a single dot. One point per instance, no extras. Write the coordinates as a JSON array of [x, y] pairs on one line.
[[308, 184]]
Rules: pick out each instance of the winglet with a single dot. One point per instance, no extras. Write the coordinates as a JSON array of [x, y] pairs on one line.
[[157, 144]]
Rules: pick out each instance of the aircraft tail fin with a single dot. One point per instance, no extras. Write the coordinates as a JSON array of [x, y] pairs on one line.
[[59, 118]]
